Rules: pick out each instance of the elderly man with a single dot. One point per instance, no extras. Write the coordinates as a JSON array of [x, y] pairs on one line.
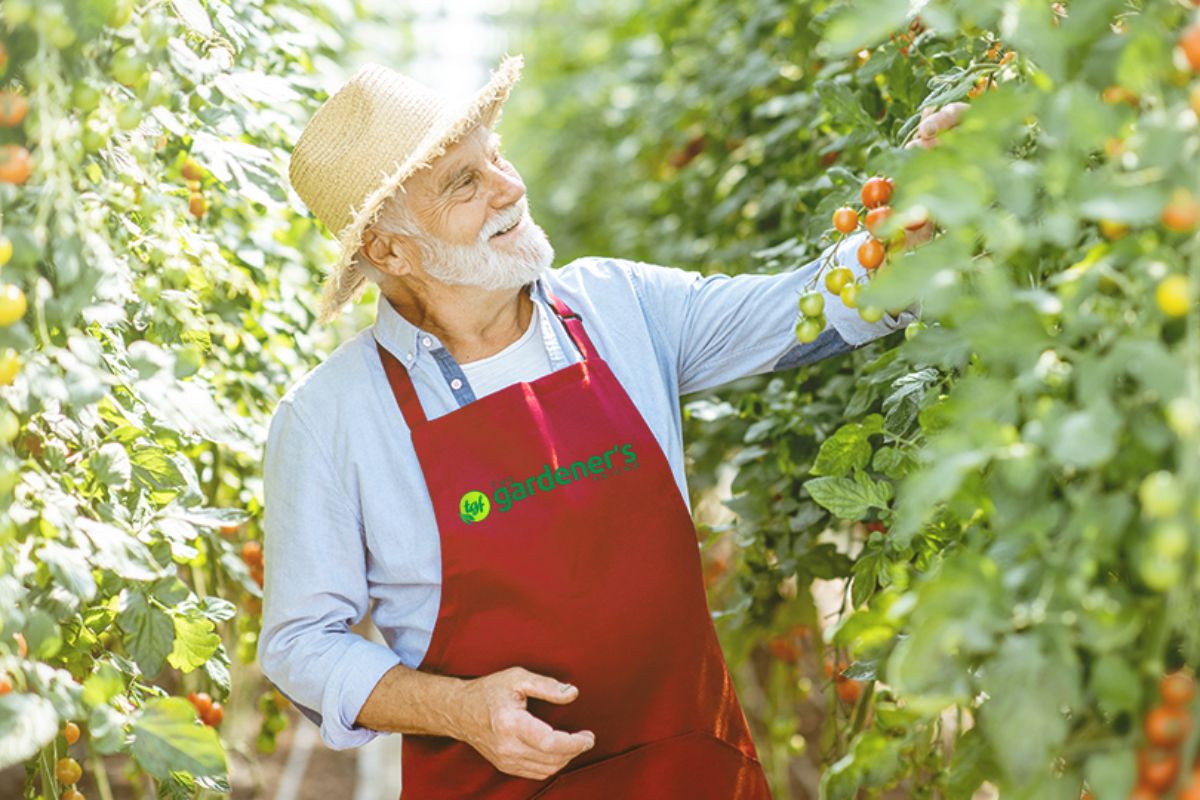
[[498, 462]]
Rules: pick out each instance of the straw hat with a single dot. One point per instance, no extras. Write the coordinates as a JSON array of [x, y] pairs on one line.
[[365, 141]]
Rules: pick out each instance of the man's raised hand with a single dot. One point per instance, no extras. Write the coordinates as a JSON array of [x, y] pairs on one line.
[[516, 742]]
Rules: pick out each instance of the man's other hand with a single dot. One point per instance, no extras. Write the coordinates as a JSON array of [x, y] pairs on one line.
[[504, 732]]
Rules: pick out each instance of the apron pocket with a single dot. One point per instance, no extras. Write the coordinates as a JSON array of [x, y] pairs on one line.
[[695, 765]]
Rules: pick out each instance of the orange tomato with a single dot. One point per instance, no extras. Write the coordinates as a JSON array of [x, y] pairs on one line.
[[876, 217], [252, 553], [5, 683], [877, 191], [1182, 212], [16, 164], [1166, 726], [1157, 768], [848, 690], [1189, 43], [845, 219], [871, 253], [1177, 688], [13, 108], [202, 701]]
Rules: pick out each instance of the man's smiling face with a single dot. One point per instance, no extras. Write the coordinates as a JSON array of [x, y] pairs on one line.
[[468, 217]]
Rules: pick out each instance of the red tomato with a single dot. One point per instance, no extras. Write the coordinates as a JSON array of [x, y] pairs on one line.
[[1157, 768], [1166, 726], [1177, 688], [877, 191], [202, 701]]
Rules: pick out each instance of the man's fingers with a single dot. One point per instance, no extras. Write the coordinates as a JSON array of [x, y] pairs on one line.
[[541, 737]]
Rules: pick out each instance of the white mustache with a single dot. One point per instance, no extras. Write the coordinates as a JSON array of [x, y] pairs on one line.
[[510, 219]]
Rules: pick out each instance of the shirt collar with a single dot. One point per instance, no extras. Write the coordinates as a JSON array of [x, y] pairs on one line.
[[407, 341]]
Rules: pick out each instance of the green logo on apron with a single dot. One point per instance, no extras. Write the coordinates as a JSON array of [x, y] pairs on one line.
[[474, 507]]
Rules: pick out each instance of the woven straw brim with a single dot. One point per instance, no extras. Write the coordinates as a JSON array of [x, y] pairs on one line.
[[345, 282]]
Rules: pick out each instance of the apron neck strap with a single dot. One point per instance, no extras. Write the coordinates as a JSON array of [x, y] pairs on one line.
[[402, 387], [574, 326], [406, 394]]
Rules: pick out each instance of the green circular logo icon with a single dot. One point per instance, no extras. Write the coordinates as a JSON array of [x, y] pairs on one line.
[[474, 507]]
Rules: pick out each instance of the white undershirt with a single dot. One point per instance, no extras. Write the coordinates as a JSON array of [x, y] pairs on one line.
[[524, 360]]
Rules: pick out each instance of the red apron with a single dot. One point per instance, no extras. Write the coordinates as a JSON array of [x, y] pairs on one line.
[[567, 549]]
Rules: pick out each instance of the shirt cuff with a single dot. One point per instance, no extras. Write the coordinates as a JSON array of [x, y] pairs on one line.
[[846, 321], [356, 674]]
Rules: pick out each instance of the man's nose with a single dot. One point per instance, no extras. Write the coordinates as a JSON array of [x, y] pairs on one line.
[[509, 190]]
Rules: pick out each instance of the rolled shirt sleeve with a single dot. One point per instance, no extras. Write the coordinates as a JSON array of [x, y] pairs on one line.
[[315, 586], [723, 327]]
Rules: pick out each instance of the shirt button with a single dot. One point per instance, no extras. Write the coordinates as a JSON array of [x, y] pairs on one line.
[[456, 384], [427, 341], [409, 356]]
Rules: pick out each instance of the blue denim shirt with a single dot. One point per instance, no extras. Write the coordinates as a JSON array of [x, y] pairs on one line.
[[347, 516]]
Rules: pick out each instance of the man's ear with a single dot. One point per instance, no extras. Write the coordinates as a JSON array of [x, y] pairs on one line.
[[390, 253]]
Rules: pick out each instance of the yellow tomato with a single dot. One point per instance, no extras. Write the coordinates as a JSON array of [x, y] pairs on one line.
[[1173, 295], [10, 365], [6, 249], [12, 304]]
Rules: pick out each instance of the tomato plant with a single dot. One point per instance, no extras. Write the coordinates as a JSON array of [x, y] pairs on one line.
[[145, 336], [1012, 625]]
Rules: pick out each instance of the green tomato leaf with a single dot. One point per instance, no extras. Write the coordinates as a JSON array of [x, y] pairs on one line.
[[169, 738], [27, 723], [150, 635], [195, 643], [849, 498]]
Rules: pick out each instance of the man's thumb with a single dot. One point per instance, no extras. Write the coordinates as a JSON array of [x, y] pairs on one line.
[[545, 688]]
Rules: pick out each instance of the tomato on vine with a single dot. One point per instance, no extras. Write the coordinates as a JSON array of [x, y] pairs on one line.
[[12, 304], [68, 771], [1166, 726], [1157, 769], [877, 191], [1177, 689], [71, 733], [845, 219], [849, 295], [1174, 295], [876, 218], [812, 304], [1189, 43], [16, 164], [836, 278], [871, 253]]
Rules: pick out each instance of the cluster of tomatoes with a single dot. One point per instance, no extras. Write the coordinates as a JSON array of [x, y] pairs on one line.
[[16, 165], [67, 770], [193, 173], [1166, 725], [841, 281], [210, 711], [272, 704]]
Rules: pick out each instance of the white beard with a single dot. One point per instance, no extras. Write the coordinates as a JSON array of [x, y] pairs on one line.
[[490, 265]]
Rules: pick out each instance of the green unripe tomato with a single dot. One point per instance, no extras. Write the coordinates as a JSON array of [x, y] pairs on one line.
[[871, 313], [85, 97], [913, 330], [17, 12], [1183, 417], [265, 743], [157, 90], [1160, 494], [96, 134], [129, 117], [1169, 540], [849, 295], [10, 425], [808, 329], [812, 304], [1158, 573], [836, 278], [128, 67], [120, 13], [275, 723]]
